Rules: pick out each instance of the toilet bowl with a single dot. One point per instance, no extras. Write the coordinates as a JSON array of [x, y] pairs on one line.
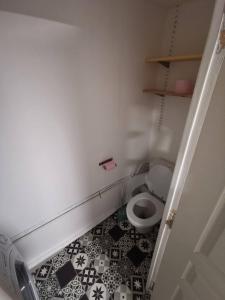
[[145, 209]]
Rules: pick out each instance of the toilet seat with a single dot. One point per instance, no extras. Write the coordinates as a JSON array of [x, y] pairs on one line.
[[144, 222]]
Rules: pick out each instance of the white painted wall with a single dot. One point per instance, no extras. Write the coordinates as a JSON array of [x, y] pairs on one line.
[[70, 97], [194, 19]]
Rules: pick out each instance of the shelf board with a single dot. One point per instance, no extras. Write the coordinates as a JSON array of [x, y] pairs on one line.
[[165, 93], [166, 60]]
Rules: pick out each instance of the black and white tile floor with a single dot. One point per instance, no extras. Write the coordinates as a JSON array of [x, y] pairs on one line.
[[109, 262]]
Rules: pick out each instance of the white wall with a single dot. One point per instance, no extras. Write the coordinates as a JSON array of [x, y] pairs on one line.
[[193, 22], [70, 93]]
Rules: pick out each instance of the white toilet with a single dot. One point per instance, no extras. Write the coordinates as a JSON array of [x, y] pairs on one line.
[[145, 209]]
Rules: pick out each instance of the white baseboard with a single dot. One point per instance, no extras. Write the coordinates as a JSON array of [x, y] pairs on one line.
[[50, 252]]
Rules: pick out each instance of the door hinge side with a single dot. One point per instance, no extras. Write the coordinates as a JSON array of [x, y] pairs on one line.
[[171, 218]]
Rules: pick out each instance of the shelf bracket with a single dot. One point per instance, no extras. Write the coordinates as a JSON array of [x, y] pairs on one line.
[[166, 64]]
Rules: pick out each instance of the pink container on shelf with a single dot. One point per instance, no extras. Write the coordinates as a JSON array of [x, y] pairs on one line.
[[184, 86]]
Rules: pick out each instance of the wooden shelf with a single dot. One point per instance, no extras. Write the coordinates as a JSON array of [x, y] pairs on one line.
[[166, 60], [165, 93]]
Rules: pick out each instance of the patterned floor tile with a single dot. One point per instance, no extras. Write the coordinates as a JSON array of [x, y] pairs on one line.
[[112, 279], [109, 224], [86, 239], [138, 297], [80, 261], [98, 291], [106, 242], [145, 245], [137, 285], [126, 268], [74, 248], [38, 283], [136, 256], [135, 235], [125, 225], [44, 271], [125, 243], [116, 233], [152, 235], [115, 216], [123, 293], [98, 231], [59, 260], [144, 267], [73, 290], [114, 264], [111, 262], [65, 274], [93, 249], [115, 254], [101, 263], [88, 277], [48, 288], [147, 296]]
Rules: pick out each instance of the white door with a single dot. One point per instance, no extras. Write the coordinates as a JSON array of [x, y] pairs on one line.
[[206, 81], [204, 274], [193, 264]]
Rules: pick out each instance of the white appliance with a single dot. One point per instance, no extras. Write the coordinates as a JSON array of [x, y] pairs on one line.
[[15, 277]]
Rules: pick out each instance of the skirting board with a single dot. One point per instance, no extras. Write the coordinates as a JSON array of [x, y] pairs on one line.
[[44, 256]]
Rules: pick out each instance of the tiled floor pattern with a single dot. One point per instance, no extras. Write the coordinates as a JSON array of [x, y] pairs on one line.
[[109, 262]]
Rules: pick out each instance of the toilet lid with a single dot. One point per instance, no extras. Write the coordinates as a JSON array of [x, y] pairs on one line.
[[137, 202]]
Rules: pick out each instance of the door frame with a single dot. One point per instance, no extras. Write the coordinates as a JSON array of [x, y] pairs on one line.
[[206, 80]]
